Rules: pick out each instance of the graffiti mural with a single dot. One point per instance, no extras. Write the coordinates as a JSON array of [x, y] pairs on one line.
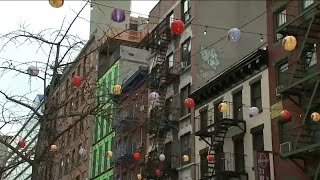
[[211, 61]]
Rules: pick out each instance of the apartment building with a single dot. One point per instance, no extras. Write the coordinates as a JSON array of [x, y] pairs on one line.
[[129, 124], [187, 62], [294, 87], [119, 58], [71, 108]]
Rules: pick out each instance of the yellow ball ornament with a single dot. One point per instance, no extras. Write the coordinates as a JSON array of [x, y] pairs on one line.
[[185, 158], [223, 107], [117, 89], [53, 148], [315, 116], [109, 154], [289, 43], [139, 176], [56, 3]]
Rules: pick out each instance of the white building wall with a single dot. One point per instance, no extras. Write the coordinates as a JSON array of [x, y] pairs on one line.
[[251, 122]]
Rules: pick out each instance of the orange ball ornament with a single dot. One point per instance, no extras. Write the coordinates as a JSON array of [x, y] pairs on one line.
[[177, 27], [286, 115]]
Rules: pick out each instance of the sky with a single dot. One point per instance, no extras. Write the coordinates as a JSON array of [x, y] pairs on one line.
[[37, 16]]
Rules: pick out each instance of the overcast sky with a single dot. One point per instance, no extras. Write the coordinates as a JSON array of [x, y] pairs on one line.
[[39, 15]]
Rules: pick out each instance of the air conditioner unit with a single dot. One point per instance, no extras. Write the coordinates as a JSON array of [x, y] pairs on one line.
[[184, 65], [285, 147], [278, 89]]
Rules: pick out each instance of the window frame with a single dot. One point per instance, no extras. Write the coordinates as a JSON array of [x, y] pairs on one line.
[[306, 4], [284, 63], [253, 97], [186, 11], [186, 58]]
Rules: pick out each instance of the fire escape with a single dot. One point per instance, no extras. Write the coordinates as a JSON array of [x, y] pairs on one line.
[[159, 77], [214, 135], [299, 138]]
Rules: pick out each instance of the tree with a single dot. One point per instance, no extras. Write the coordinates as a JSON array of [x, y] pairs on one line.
[[59, 49]]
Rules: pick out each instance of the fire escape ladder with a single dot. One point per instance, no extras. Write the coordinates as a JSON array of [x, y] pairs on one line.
[[298, 68], [306, 115], [317, 173]]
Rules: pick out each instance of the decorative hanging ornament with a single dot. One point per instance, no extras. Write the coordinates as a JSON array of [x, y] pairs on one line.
[[118, 15], [254, 111], [136, 156], [289, 43], [76, 81], [56, 3], [158, 172], [189, 102], [82, 151], [154, 99], [315, 116], [139, 176], [162, 157], [285, 115], [210, 157], [117, 89], [109, 154], [223, 107], [33, 71], [21, 144], [53, 148], [177, 27], [185, 158], [234, 35]]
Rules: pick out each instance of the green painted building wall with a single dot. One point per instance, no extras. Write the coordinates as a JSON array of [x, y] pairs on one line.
[[103, 137]]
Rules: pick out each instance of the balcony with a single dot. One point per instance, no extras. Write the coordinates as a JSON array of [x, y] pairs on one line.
[[123, 154], [228, 166], [217, 125], [125, 120], [294, 22]]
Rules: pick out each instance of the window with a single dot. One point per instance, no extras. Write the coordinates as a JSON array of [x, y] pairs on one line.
[[307, 3], [73, 74], [186, 52], [101, 157], [106, 159], [66, 167], [203, 119], [81, 126], [79, 70], [217, 114], [60, 167], [69, 137], [239, 153], [73, 160], [281, 17], [74, 132], [237, 106], [94, 163], [67, 87], [256, 99], [96, 129], [171, 17], [78, 177], [311, 55], [186, 10], [258, 145], [184, 93], [170, 60], [282, 73], [84, 68], [204, 164], [79, 155], [185, 145], [112, 144], [102, 119], [116, 75]]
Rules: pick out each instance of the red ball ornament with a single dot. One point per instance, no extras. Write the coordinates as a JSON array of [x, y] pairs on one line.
[[285, 115], [21, 144], [76, 81], [177, 27], [189, 102], [158, 172], [210, 157], [136, 156]]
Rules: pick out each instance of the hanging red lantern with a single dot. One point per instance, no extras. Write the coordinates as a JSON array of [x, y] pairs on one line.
[[158, 172], [177, 27], [21, 144], [285, 114], [189, 102], [136, 156], [76, 81], [210, 157]]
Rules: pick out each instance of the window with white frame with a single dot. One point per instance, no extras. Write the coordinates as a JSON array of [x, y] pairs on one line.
[[186, 10], [281, 17], [170, 60], [307, 3], [311, 56], [171, 17]]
